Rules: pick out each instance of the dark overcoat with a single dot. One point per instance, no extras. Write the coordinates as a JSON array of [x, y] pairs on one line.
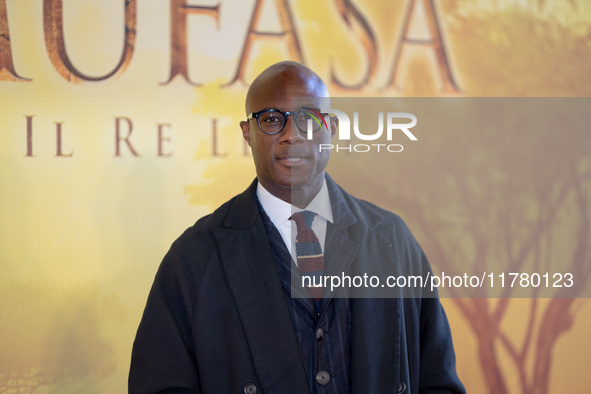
[[217, 322]]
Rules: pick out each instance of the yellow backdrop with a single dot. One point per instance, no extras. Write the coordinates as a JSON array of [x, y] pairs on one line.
[[119, 127]]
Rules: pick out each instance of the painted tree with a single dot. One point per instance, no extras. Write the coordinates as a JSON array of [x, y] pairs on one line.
[[501, 185]]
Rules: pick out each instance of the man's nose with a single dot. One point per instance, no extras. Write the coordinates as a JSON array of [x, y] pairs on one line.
[[291, 133]]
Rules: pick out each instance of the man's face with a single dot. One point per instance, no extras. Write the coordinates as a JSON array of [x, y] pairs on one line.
[[287, 161]]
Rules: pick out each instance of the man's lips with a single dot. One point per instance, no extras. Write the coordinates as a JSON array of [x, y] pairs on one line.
[[292, 160]]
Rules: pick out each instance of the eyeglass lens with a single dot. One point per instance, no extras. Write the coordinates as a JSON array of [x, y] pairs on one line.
[[272, 122]]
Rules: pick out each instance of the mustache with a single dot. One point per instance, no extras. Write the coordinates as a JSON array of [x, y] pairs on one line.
[[292, 152]]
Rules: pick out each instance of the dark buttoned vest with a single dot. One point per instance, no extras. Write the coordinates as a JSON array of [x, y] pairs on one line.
[[324, 339]]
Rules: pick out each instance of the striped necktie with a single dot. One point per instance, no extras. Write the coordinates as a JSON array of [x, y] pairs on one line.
[[309, 253]]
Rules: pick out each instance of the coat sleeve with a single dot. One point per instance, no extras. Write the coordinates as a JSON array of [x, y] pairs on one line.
[[163, 358], [436, 356]]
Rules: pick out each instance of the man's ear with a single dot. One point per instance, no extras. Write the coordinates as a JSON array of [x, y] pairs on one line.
[[245, 126], [334, 125]]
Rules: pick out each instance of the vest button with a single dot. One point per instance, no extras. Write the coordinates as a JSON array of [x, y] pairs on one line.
[[322, 378], [250, 388], [319, 334], [401, 388]]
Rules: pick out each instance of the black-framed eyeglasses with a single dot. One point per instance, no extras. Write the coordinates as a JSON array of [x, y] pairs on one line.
[[272, 121]]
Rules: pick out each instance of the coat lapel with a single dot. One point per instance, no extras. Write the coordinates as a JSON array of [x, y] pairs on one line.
[[375, 323], [340, 251], [252, 275], [343, 238]]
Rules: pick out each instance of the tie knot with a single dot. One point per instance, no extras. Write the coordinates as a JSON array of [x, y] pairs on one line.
[[303, 219]]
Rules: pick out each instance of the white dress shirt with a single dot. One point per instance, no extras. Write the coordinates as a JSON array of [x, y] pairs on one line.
[[280, 211]]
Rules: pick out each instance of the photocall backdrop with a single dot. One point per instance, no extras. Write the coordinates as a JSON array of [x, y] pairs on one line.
[[119, 126]]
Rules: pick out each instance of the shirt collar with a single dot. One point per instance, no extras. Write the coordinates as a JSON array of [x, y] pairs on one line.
[[280, 211]]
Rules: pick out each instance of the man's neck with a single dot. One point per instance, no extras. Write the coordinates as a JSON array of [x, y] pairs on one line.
[[299, 197]]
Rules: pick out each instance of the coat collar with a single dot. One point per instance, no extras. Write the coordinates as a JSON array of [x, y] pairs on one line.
[[243, 211]]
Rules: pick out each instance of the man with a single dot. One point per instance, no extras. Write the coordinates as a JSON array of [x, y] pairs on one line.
[[221, 317]]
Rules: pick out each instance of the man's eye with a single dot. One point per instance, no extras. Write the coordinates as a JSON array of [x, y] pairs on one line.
[[272, 119], [304, 117]]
